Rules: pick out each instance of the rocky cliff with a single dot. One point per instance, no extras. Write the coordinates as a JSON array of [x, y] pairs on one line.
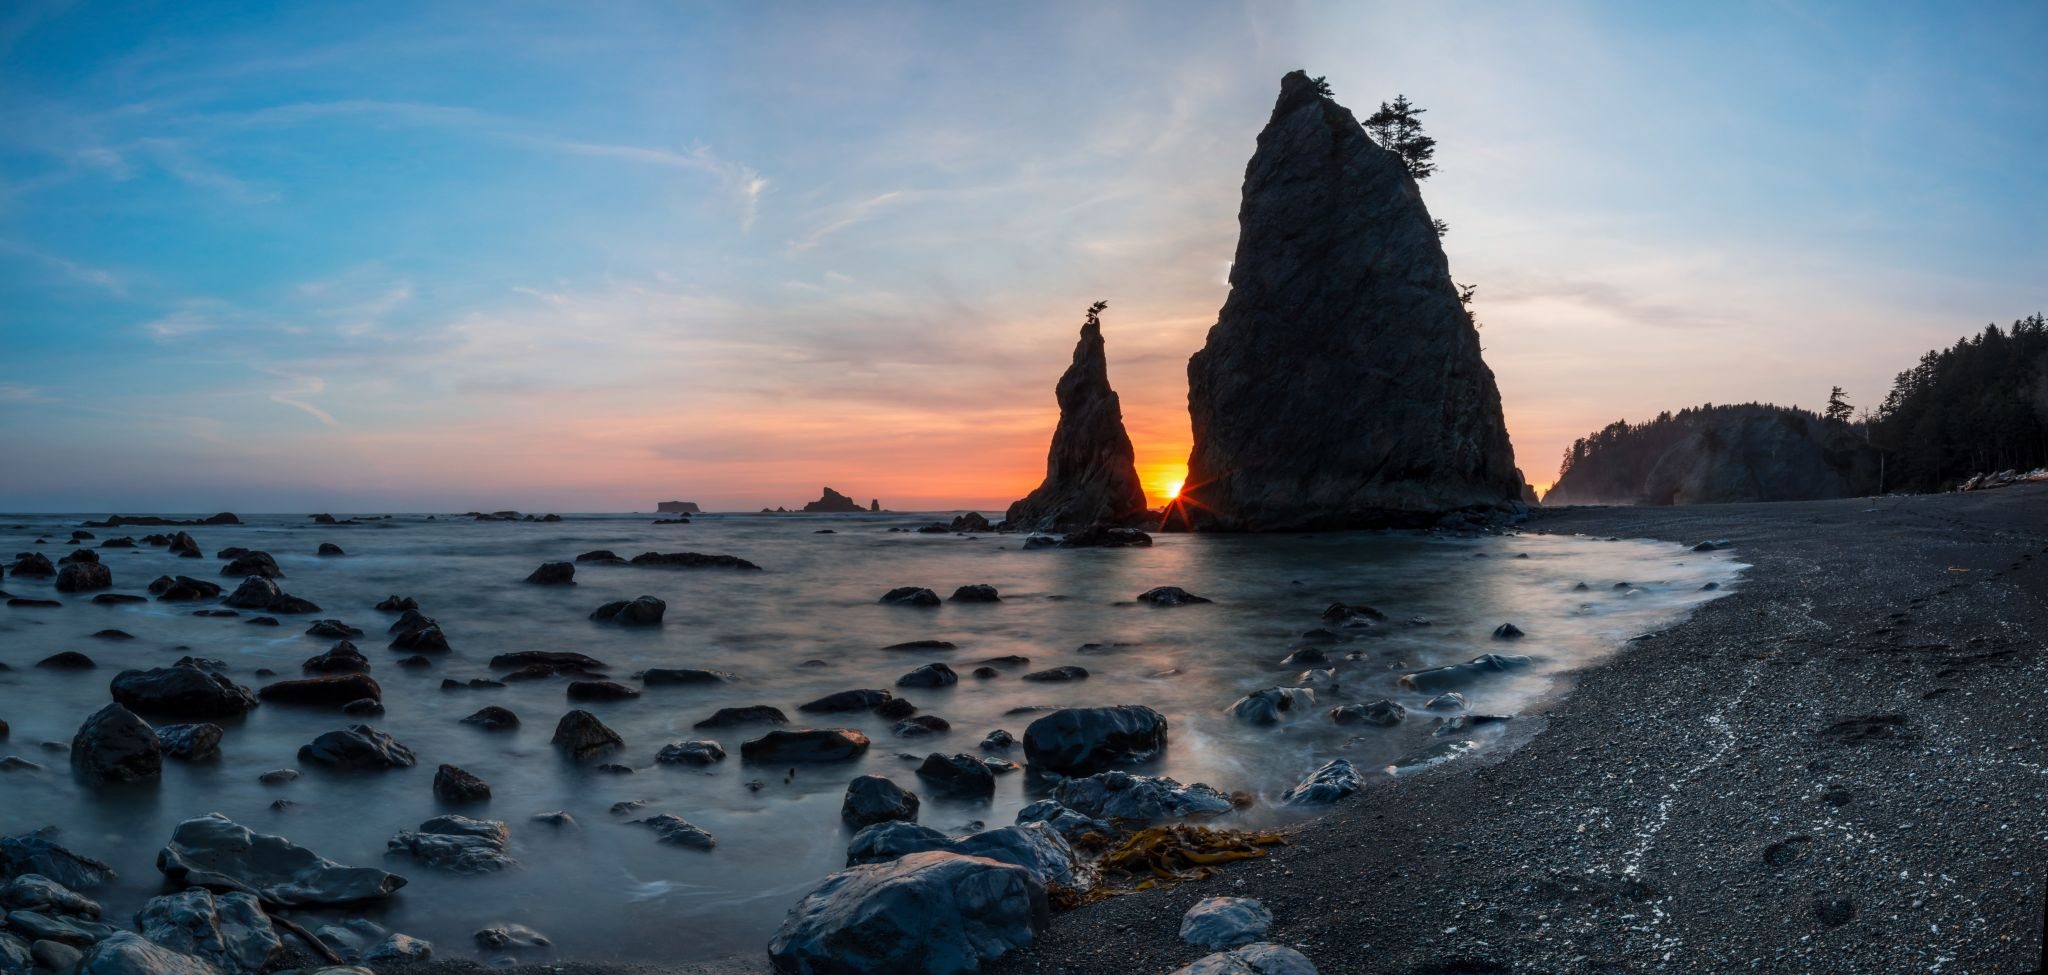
[[1090, 474], [1717, 454], [833, 501], [1342, 384]]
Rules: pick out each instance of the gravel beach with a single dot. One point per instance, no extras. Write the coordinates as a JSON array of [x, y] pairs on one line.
[[1839, 768]]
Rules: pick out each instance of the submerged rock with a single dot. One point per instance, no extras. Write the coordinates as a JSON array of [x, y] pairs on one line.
[[1091, 476], [358, 748], [493, 718], [1333, 781], [845, 701], [644, 611], [456, 844], [872, 799], [752, 714], [1342, 384], [702, 751], [1171, 596], [929, 675], [582, 737], [332, 690], [36, 853], [677, 831], [452, 784], [190, 742], [669, 677], [932, 913], [215, 852], [1458, 675], [1383, 713], [1273, 705], [1121, 795], [909, 596], [554, 574], [803, 745], [1080, 741]]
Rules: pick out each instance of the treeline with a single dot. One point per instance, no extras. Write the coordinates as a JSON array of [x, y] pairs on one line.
[[1978, 407], [1620, 461]]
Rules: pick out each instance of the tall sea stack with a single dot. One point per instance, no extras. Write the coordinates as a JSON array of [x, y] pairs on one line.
[[1341, 386], [1090, 473]]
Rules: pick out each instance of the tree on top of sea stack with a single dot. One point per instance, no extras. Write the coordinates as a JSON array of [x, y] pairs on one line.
[[1342, 384], [1091, 474]]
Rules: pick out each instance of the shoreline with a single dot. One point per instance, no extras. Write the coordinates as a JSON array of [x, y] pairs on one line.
[[1733, 791]]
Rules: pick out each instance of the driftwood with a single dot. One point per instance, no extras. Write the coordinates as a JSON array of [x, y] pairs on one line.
[[319, 947]]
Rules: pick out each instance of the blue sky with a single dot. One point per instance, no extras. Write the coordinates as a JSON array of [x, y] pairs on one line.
[[583, 257]]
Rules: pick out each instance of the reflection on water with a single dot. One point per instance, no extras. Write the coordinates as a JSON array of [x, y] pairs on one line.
[[807, 626]]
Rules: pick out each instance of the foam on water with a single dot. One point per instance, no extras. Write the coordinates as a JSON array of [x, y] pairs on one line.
[[606, 889]]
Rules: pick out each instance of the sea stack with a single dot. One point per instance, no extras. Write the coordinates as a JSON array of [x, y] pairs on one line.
[[1341, 386], [1091, 476]]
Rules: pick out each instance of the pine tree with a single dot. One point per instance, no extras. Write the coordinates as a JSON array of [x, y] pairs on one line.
[[1397, 126], [1838, 410]]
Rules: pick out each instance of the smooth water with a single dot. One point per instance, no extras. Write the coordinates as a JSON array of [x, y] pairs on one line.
[[607, 890]]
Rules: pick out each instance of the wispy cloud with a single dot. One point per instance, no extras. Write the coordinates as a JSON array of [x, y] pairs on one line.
[[844, 217], [97, 277], [744, 183], [15, 393]]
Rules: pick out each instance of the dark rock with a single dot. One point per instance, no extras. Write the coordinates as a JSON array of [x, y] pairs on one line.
[[984, 673], [359, 748], [84, 577], [1138, 798], [66, 660], [909, 596], [1383, 713], [935, 912], [963, 776], [832, 502], [261, 621], [332, 690], [229, 931], [677, 831], [1333, 781], [457, 844], [665, 676], [804, 745], [929, 675], [582, 737], [329, 550], [698, 752], [452, 784], [414, 662], [1170, 596], [1080, 741], [753, 714], [184, 546], [342, 658], [36, 853], [35, 892], [1102, 536], [552, 658], [998, 741], [511, 937], [1507, 631], [1066, 673], [127, 953], [891, 840], [600, 690], [418, 632], [895, 708], [185, 589], [692, 560], [1090, 473], [368, 707], [1342, 385], [846, 701], [122, 599], [554, 574], [1272, 705], [32, 565], [972, 521], [1457, 675], [190, 742], [217, 613], [601, 555], [22, 603], [978, 593], [397, 604], [921, 726], [215, 852], [333, 630], [493, 718], [920, 645], [123, 542], [247, 564], [874, 799], [116, 746], [644, 611]]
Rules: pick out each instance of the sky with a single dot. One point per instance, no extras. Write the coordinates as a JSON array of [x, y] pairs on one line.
[[445, 256]]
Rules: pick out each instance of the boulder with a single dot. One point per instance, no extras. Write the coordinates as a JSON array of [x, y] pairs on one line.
[[960, 776], [396, 949], [35, 892], [977, 593], [929, 675], [397, 604], [1121, 795], [247, 564], [36, 853], [972, 521], [1168, 596], [453, 785], [677, 831], [184, 589], [332, 690], [66, 660], [1458, 675], [510, 937], [805, 745], [1225, 922], [190, 742], [342, 658], [330, 550], [752, 714], [216, 853], [846, 701], [333, 630], [229, 931], [670, 677], [32, 565], [1080, 741], [933, 913], [582, 737], [1333, 781], [1068, 672], [554, 574], [358, 748], [84, 577], [417, 632], [919, 726], [644, 611], [255, 592], [885, 841], [692, 560], [1273, 705], [457, 844], [872, 799], [1383, 713], [909, 596], [1090, 473], [1258, 958], [1099, 536], [36, 926], [493, 718], [116, 746], [128, 953], [1036, 847], [702, 751], [600, 690], [1342, 384]]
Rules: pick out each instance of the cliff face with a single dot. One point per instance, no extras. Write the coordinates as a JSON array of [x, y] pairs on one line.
[[1716, 455], [1090, 473], [1342, 384]]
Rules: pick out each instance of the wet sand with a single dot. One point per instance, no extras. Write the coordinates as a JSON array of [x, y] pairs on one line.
[[1841, 767]]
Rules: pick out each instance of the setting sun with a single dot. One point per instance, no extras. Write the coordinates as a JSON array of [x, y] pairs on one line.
[[1172, 490]]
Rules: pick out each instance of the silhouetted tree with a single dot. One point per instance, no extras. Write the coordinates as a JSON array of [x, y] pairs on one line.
[[1095, 313], [1838, 410], [1977, 407], [1396, 126], [1441, 228], [1322, 85]]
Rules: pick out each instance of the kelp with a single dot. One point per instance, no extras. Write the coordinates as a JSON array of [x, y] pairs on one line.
[[1182, 852]]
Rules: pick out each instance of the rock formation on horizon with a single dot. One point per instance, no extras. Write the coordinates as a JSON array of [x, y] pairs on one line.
[[678, 508], [1091, 476], [1717, 455], [833, 501], [1342, 384]]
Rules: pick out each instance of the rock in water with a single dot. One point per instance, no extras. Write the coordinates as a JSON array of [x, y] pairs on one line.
[[1342, 384], [1090, 473], [933, 913], [229, 931], [116, 746], [131, 954], [215, 852]]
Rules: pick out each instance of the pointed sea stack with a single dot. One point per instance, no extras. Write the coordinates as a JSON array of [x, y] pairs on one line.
[[1341, 386], [1090, 474]]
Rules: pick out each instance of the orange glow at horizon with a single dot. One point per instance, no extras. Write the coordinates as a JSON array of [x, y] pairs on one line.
[[1162, 479]]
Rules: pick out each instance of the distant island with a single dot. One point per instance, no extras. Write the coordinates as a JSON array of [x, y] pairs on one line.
[[678, 508], [833, 502]]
